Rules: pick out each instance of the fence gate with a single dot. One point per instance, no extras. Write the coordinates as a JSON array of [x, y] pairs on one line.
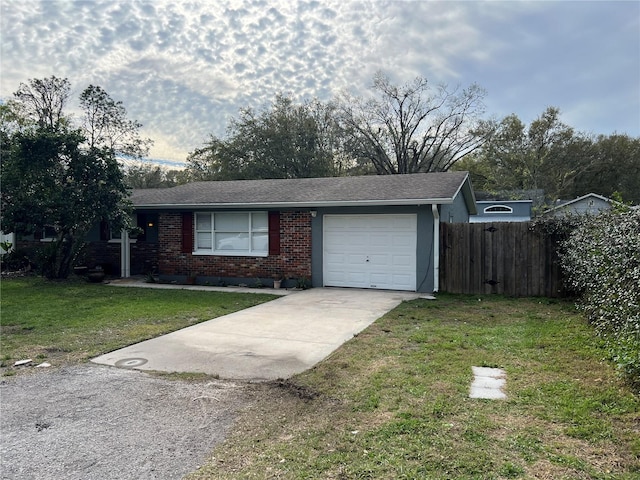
[[506, 258]]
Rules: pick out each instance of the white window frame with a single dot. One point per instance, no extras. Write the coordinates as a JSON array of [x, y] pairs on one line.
[[116, 237], [507, 209], [45, 237], [250, 231]]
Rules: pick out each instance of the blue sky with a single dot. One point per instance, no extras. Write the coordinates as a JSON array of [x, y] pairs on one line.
[[184, 68]]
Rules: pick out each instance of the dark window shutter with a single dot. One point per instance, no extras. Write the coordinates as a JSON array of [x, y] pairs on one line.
[[141, 223], [274, 233], [187, 232], [104, 230]]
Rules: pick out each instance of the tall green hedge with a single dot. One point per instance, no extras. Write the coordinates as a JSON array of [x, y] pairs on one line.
[[601, 262]]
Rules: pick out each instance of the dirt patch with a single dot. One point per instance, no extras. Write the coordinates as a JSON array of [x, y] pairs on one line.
[[95, 422], [299, 391]]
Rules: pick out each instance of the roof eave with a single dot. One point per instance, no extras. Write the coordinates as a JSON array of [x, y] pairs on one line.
[[468, 195], [341, 203]]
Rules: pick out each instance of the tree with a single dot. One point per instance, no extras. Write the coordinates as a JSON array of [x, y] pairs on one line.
[[210, 162], [552, 157], [414, 128], [44, 100], [153, 176], [285, 140], [611, 164], [49, 180], [54, 176], [105, 123], [518, 159]]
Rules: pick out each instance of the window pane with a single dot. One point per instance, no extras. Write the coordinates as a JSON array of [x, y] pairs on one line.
[[260, 222], [203, 221], [499, 209], [203, 241], [260, 242], [232, 222], [232, 241]]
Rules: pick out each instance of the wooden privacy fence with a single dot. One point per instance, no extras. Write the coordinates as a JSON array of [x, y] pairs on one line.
[[504, 258]]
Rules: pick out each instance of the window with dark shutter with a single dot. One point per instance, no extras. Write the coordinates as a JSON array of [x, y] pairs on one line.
[[187, 232], [274, 233], [141, 223], [104, 230]]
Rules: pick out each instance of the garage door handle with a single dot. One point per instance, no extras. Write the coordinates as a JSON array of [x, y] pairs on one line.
[[367, 260]]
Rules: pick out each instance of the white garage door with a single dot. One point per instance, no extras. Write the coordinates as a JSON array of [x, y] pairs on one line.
[[370, 251]]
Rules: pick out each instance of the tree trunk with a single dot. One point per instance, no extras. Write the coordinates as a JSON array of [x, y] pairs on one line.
[[58, 257]]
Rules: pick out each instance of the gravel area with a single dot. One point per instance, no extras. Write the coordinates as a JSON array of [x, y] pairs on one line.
[[95, 422]]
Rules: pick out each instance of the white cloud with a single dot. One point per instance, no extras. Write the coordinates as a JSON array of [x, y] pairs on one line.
[[183, 68]]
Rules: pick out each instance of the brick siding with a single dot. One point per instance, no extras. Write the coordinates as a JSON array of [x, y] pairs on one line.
[[294, 259], [166, 259]]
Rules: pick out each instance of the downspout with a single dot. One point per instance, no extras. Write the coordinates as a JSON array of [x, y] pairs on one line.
[[436, 247], [125, 254]]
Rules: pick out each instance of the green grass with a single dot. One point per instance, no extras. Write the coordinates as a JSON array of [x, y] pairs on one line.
[[69, 322], [393, 402]]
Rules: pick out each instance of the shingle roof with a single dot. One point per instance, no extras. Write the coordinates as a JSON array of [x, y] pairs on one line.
[[563, 204], [413, 189]]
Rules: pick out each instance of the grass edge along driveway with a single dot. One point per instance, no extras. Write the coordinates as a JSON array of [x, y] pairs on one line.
[[393, 402], [68, 322]]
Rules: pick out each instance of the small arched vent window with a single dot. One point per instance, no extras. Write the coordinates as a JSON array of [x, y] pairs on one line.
[[498, 209]]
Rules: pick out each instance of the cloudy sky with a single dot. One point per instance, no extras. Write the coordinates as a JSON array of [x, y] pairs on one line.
[[183, 68]]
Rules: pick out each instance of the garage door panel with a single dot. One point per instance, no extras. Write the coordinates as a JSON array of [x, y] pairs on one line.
[[335, 258], [379, 240], [336, 240], [408, 281], [356, 260], [370, 251], [356, 239], [402, 261], [404, 222], [380, 260], [335, 276], [356, 223], [398, 241], [380, 280], [354, 276]]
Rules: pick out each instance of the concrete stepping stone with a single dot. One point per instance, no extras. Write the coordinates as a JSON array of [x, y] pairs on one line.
[[488, 383]]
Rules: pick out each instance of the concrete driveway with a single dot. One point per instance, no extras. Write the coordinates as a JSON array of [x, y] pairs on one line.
[[274, 340]]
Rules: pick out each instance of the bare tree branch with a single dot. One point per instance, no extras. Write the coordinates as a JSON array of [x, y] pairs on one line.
[[414, 127]]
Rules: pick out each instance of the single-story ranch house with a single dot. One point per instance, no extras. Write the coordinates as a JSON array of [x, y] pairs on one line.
[[379, 231]]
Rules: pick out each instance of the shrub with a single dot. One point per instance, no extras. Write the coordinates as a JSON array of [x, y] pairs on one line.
[[15, 260], [601, 262]]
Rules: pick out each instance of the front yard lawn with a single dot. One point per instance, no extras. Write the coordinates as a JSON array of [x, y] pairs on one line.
[[393, 402], [69, 322]]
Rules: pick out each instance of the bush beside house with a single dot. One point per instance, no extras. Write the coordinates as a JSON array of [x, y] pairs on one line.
[[601, 259]]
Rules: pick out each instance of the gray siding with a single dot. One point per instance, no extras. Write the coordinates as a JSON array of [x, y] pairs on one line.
[[590, 205], [455, 212], [521, 211]]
